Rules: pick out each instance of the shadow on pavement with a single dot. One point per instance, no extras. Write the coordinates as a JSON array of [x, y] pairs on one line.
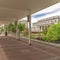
[[19, 50]]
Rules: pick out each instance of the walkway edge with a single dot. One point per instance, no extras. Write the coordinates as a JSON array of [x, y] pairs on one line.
[[47, 43]]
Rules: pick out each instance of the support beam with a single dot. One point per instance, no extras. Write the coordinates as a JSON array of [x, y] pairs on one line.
[[17, 37], [29, 20]]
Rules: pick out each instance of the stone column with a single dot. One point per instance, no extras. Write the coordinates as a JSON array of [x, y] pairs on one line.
[[17, 31], [29, 20]]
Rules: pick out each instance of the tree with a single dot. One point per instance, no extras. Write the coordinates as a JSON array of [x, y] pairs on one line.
[[12, 27], [53, 33], [21, 27], [26, 32], [1, 29]]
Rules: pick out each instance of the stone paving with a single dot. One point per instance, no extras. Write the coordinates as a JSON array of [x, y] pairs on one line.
[[12, 49]]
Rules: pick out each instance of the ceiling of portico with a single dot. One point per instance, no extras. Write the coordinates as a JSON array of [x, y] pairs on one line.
[[16, 9]]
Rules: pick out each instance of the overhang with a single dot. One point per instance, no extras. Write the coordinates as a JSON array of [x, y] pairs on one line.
[[11, 10]]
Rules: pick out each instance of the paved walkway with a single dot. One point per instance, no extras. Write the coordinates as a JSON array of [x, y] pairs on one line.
[[12, 49]]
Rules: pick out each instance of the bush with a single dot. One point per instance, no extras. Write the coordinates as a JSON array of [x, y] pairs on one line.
[[25, 32], [34, 36], [42, 35], [53, 33]]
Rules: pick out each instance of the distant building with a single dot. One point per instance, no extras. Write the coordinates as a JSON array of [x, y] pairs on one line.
[[45, 23], [24, 22]]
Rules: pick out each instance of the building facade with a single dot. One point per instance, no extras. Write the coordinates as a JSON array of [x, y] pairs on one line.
[[45, 23]]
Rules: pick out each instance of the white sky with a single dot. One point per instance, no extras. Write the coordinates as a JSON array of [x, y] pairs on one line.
[[53, 10]]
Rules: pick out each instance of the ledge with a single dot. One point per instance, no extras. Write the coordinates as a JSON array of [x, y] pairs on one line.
[[43, 42]]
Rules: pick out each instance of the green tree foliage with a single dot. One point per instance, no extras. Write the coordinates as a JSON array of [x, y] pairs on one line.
[[45, 30], [21, 27], [12, 27], [5, 27], [1, 29], [53, 33], [26, 32]]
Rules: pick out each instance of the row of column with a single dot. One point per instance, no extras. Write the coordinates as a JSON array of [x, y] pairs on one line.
[[17, 32]]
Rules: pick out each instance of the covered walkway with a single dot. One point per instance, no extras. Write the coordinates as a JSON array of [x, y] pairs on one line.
[[14, 10], [12, 49]]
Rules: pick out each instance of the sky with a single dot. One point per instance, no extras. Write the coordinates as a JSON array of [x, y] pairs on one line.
[[53, 10]]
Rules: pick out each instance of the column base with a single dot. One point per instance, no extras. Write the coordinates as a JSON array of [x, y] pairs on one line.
[[30, 44]]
